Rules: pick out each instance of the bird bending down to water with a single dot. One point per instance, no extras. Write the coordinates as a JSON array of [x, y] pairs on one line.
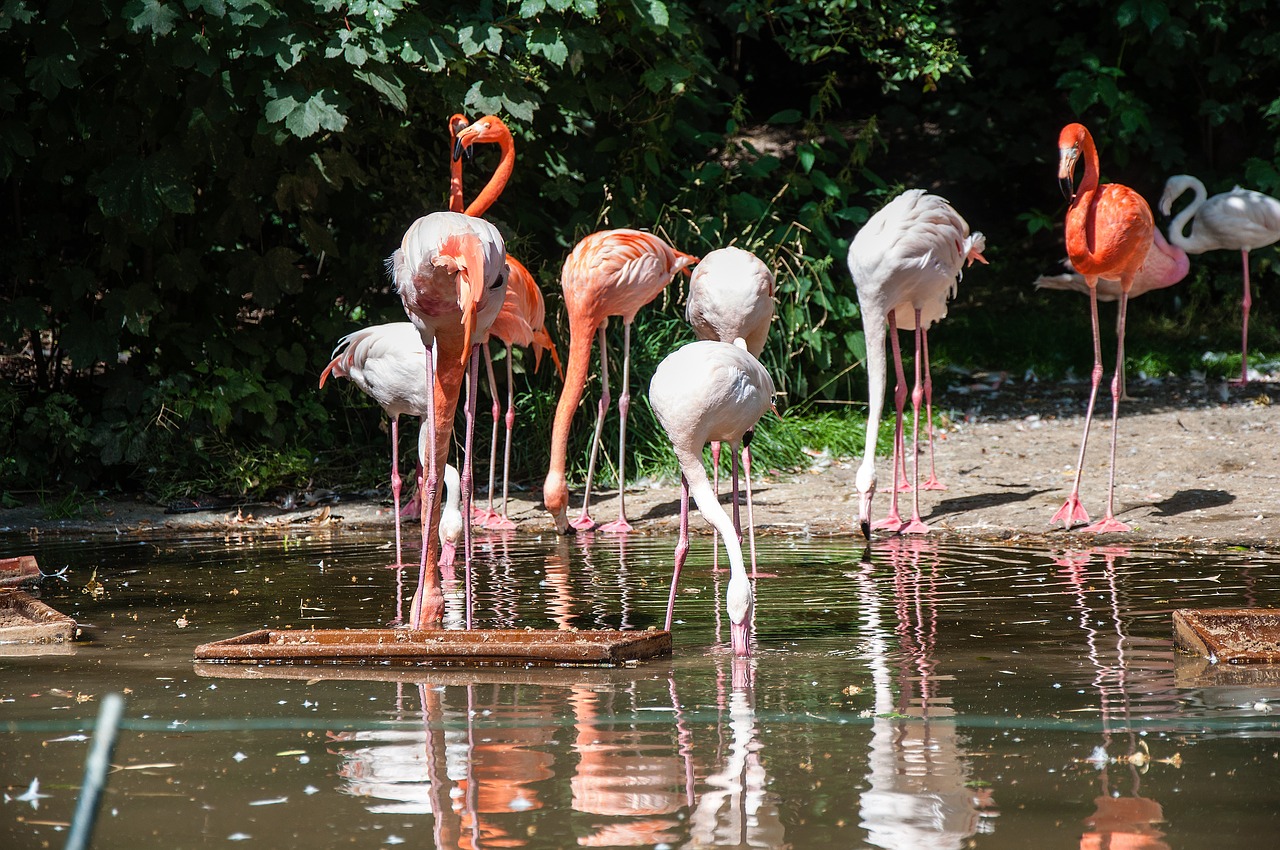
[[730, 296], [1239, 220], [1109, 230], [704, 391], [905, 263], [450, 273], [608, 273]]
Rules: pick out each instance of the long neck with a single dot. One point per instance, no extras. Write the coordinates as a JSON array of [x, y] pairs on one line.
[[575, 380], [455, 172], [873, 327], [498, 181], [1080, 216], [1177, 227]]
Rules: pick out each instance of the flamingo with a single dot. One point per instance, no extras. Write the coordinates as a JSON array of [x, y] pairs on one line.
[[1109, 231], [1241, 219], [730, 296], [1164, 266], [450, 273], [522, 319], [710, 390], [905, 263], [608, 273]]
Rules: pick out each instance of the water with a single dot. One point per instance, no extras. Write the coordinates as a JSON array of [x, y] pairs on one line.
[[935, 696]]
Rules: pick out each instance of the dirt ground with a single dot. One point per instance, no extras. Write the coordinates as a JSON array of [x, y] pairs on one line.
[[1199, 465]]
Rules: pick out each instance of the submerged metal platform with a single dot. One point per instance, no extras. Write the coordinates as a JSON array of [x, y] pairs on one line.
[[26, 621], [16, 571], [1231, 635], [439, 647]]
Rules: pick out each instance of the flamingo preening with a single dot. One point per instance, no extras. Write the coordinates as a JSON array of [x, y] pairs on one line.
[[905, 263], [522, 319], [608, 273], [704, 391], [1109, 230], [1239, 220], [730, 296], [450, 273]]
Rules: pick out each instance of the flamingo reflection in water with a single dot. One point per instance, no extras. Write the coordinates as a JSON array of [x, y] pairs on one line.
[[737, 810], [918, 775], [1131, 676]]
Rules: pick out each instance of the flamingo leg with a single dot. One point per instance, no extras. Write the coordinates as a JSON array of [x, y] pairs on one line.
[[751, 513], [932, 483], [682, 548], [733, 466], [584, 521], [715, 489], [917, 525], [428, 601], [485, 517], [893, 521], [1072, 511], [1244, 325], [1109, 521], [473, 387], [396, 483], [620, 525], [502, 522]]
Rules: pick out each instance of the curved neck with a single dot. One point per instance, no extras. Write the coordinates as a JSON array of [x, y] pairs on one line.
[[1177, 227], [498, 181], [1089, 183], [873, 329], [455, 172], [575, 381]]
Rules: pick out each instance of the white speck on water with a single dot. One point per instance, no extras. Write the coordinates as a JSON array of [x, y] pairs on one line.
[[239, 756]]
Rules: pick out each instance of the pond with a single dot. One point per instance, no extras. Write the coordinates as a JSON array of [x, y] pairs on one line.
[[923, 694]]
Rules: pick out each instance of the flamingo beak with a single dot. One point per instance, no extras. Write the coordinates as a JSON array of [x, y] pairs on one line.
[[1066, 172], [561, 518]]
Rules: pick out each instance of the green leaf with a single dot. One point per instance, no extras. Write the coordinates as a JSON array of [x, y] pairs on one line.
[[150, 15], [390, 87], [786, 116], [49, 74], [547, 42], [307, 118]]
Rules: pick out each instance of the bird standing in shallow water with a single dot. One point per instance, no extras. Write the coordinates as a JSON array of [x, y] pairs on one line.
[[701, 392], [730, 296], [1241, 219], [608, 273], [1108, 233], [905, 263]]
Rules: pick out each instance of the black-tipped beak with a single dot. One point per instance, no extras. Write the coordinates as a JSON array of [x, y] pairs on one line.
[[1068, 188], [865, 525], [457, 149]]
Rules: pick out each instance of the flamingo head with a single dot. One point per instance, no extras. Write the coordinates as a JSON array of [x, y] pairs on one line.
[[1070, 143], [457, 123], [683, 262], [739, 603], [866, 485], [555, 495], [487, 129]]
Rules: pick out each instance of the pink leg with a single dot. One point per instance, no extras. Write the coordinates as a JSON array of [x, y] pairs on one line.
[[893, 521], [932, 483], [1244, 326], [428, 598], [502, 522], [733, 472], [916, 526], [585, 521], [751, 513], [485, 516], [620, 525], [1109, 521], [1072, 511], [682, 548], [395, 493], [473, 387]]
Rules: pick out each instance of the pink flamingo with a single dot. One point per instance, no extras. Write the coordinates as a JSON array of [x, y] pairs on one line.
[[703, 391], [608, 273], [905, 263], [1109, 231], [1239, 220]]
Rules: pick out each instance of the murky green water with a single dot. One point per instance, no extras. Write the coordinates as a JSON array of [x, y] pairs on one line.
[[933, 697]]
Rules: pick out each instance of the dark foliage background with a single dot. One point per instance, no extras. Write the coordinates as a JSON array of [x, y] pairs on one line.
[[199, 195]]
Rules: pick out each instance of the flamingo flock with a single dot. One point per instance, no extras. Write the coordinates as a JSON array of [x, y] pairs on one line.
[[460, 289]]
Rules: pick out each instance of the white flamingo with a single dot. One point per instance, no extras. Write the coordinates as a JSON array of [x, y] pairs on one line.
[[1239, 220], [706, 391], [450, 273], [905, 262], [730, 296]]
